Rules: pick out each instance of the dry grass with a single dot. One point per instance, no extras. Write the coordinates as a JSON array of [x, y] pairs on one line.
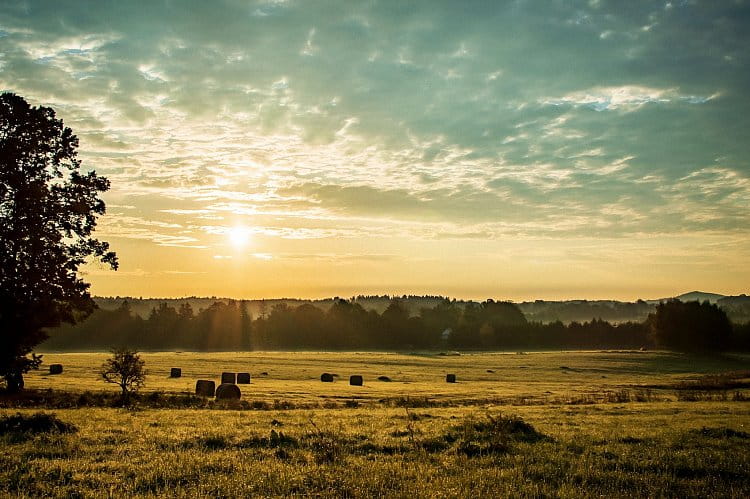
[[665, 449], [590, 430], [295, 377]]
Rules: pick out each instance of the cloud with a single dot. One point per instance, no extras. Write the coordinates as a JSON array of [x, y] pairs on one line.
[[627, 97], [411, 121]]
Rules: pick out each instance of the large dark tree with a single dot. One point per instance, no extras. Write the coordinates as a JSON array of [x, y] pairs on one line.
[[48, 211], [690, 326]]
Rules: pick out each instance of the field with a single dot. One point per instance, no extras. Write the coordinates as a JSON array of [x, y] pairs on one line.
[[565, 424]]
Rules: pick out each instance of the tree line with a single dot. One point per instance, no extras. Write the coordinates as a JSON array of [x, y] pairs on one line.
[[347, 325]]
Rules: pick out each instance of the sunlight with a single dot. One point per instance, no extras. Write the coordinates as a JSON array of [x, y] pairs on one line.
[[239, 236]]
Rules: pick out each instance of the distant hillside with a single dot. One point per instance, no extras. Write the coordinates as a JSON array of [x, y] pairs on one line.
[[585, 310], [700, 296], [736, 307]]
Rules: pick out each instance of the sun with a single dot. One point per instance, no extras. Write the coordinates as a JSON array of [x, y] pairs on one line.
[[239, 236]]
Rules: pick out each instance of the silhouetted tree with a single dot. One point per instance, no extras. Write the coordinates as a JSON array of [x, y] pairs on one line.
[[125, 369], [48, 211], [690, 326], [395, 331], [443, 316], [246, 327]]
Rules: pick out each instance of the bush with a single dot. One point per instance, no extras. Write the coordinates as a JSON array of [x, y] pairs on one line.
[[493, 435], [36, 423]]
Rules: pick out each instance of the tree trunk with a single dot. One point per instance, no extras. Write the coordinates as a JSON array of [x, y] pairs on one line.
[[14, 381]]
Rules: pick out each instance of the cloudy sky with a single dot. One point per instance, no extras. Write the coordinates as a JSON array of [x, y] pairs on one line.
[[507, 149]]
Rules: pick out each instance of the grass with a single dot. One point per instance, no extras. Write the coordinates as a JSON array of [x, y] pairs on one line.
[[294, 378], [667, 449], [415, 436]]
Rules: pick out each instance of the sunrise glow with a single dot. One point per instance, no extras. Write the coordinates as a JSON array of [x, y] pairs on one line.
[[514, 150]]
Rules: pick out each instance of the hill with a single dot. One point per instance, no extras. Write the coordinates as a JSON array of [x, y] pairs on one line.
[[700, 296]]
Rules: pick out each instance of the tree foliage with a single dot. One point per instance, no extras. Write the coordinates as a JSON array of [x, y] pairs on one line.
[[691, 326], [224, 326], [124, 368], [48, 211]]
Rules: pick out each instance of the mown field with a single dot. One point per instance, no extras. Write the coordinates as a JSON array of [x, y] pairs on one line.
[[482, 377], [565, 424]]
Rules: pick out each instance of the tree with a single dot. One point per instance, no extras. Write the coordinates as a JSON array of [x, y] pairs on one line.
[[124, 368], [48, 211], [690, 326], [246, 327]]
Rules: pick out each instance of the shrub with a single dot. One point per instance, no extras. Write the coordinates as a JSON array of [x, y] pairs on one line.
[[492, 435], [36, 423]]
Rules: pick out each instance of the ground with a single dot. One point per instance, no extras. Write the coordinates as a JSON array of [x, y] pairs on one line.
[[601, 423]]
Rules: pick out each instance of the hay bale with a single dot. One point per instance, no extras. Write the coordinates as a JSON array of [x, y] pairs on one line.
[[450, 378], [243, 378], [228, 391], [326, 378], [55, 369], [384, 378], [356, 380], [230, 378], [205, 388], [175, 372]]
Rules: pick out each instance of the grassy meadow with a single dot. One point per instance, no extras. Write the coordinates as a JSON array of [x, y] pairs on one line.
[[561, 424], [294, 377]]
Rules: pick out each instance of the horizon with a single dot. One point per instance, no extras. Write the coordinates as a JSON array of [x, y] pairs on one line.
[[400, 295], [512, 149]]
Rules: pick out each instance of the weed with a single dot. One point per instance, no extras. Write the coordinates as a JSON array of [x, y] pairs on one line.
[[721, 433], [409, 402], [326, 446], [701, 395]]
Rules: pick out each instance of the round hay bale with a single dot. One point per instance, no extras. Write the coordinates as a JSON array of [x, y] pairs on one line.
[[205, 388], [230, 378], [228, 391], [450, 378], [243, 378], [55, 369], [175, 372], [356, 380], [326, 378], [384, 378]]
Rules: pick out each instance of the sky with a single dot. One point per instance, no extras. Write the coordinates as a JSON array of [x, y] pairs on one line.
[[526, 149]]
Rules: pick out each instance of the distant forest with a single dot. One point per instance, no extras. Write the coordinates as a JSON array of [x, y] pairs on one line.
[[736, 307], [405, 323]]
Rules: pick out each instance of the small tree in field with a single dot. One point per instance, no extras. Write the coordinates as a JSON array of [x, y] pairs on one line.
[[124, 368]]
